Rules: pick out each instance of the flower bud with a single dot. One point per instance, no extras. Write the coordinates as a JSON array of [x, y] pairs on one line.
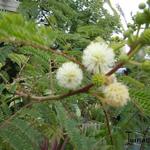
[[142, 5], [98, 79]]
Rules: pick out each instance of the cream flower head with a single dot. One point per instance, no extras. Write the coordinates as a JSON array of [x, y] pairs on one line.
[[116, 94], [69, 75], [98, 57]]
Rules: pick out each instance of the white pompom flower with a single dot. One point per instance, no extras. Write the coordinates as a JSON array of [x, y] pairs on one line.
[[116, 94], [98, 57], [69, 75]]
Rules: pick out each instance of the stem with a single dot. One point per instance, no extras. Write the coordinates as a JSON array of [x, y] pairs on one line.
[[138, 30], [64, 143], [85, 89], [134, 51], [106, 117], [51, 77], [119, 65], [54, 145], [38, 99]]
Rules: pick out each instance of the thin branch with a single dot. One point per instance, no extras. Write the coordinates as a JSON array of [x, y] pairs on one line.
[[119, 65], [37, 99], [38, 46], [64, 143], [85, 89], [51, 77], [131, 53]]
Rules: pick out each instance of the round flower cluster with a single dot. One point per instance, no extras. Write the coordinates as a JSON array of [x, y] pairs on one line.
[[116, 94], [69, 75], [98, 57]]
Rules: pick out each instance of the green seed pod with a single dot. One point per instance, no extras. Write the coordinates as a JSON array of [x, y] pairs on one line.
[[142, 5], [98, 79], [145, 37], [147, 14], [146, 65], [140, 18]]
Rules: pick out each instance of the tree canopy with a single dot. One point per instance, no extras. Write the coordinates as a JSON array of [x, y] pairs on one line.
[[82, 20]]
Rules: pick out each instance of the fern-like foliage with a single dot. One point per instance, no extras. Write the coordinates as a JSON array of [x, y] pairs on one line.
[[15, 26], [141, 99], [72, 130], [139, 94], [19, 134]]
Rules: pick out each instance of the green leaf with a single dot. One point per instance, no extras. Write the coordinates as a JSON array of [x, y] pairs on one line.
[[18, 58]]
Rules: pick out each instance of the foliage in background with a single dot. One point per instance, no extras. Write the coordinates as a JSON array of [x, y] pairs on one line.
[[29, 58], [81, 20]]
